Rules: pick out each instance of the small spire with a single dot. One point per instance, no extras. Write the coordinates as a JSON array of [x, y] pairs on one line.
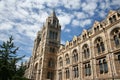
[[53, 13]]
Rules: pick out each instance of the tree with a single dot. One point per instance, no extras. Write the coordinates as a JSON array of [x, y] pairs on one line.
[[8, 60]]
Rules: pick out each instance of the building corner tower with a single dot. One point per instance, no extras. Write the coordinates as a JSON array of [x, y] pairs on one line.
[[51, 41], [42, 64]]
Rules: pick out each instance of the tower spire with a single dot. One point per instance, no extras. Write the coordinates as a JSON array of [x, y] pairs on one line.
[[53, 14]]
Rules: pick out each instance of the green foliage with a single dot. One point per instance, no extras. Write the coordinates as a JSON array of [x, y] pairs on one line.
[[19, 78], [8, 60]]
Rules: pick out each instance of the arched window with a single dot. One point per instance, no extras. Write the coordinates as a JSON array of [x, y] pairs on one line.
[[67, 59], [86, 52], [115, 37], [35, 71], [50, 63], [110, 19], [75, 56], [60, 61], [105, 66], [97, 28], [114, 18], [67, 73], [99, 44], [60, 75], [118, 14]]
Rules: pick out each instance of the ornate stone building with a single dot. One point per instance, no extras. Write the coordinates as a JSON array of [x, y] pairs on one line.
[[93, 55]]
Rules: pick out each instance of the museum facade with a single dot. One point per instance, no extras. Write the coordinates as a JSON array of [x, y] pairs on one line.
[[93, 55]]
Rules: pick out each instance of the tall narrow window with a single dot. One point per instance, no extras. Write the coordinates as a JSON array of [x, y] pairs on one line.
[[56, 34], [67, 59], [75, 56], [100, 66], [102, 46], [89, 69], [67, 73], [116, 40], [105, 66], [51, 63], [115, 37], [85, 69], [60, 75], [86, 52], [60, 62], [76, 71], [119, 58], [50, 75], [98, 48]]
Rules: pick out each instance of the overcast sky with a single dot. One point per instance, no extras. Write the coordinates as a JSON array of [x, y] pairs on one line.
[[23, 18]]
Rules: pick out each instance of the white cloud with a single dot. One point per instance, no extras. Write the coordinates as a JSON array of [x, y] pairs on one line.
[[85, 22], [5, 26], [75, 23], [26, 58], [115, 2], [80, 15], [102, 14], [3, 37], [67, 30], [62, 42], [64, 19], [89, 7], [72, 4]]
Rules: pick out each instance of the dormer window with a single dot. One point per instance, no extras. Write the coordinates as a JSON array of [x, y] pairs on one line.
[[114, 18], [110, 19], [97, 28], [74, 42], [101, 25], [83, 37], [118, 14]]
